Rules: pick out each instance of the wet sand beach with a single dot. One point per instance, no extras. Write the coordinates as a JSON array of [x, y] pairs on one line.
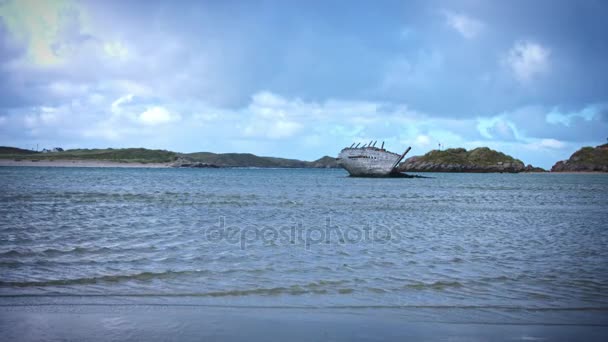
[[195, 323]]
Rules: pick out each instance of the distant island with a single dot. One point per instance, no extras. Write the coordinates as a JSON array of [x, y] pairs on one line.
[[587, 159], [152, 158], [481, 159]]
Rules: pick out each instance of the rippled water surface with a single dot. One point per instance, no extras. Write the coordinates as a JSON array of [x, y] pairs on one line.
[[306, 238]]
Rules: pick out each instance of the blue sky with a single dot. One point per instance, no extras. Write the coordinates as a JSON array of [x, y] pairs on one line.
[[304, 79]]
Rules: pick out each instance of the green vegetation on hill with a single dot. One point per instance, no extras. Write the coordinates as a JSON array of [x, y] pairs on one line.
[[126, 155], [585, 159], [325, 162], [481, 156], [4, 150], [242, 160], [592, 155], [142, 155], [251, 160], [481, 159]]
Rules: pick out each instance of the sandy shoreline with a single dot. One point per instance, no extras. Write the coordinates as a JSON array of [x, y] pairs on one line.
[[78, 163], [126, 322]]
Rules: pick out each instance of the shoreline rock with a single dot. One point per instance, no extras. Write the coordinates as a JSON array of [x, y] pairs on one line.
[[189, 163], [479, 160], [534, 169], [587, 159]]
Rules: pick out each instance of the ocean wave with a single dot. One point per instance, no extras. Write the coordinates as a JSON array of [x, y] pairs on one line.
[[510, 308], [438, 285], [17, 263], [316, 287], [53, 252], [143, 276]]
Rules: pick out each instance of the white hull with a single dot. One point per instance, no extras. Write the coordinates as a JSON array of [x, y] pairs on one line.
[[368, 161]]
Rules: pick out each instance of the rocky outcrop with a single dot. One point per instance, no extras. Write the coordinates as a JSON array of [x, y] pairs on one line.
[[185, 162], [481, 159], [530, 168], [413, 165], [587, 159], [325, 162]]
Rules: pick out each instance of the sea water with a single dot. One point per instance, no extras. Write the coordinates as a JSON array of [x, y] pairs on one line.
[[464, 248]]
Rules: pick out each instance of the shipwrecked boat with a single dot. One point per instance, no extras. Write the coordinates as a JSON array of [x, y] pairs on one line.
[[369, 160]]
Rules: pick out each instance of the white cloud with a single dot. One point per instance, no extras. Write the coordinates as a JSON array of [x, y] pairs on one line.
[[117, 50], [527, 59], [123, 99], [340, 122], [552, 143], [106, 133], [30, 121], [48, 116], [272, 124], [271, 129], [423, 140], [157, 115], [468, 27], [95, 99], [272, 116], [588, 113], [206, 117], [68, 89], [42, 116], [498, 128]]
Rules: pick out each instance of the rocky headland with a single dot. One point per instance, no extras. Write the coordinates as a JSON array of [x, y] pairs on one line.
[[481, 159], [587, 159]]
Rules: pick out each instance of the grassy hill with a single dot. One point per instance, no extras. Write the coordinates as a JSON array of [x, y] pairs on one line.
[[481, 159], [482, 156], [251, 160], [125, 155], [7, 150], [142, 155], [586, 159], [242, 160]]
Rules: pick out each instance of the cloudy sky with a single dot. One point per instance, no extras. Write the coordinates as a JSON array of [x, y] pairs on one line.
[[304, 79]]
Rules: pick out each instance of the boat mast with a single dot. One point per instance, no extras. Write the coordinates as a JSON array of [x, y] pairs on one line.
[[403, 155]]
